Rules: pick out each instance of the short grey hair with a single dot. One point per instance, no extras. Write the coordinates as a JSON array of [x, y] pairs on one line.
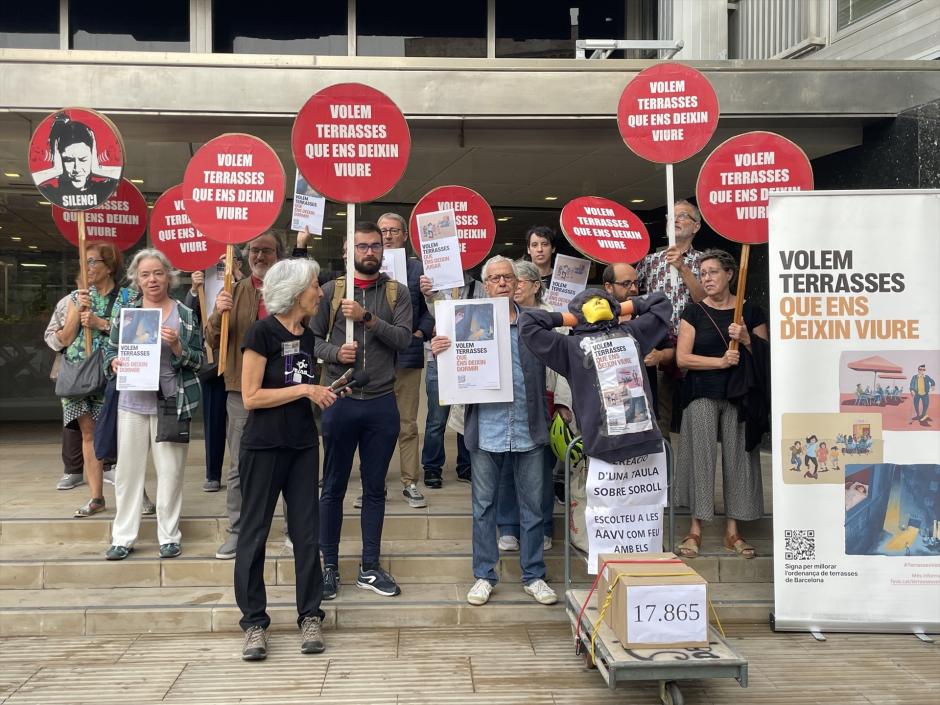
[[526, 270], [285, 282], [173, 274], [497, 260], [395, 216]]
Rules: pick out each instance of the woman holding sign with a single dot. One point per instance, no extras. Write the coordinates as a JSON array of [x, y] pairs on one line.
[[156, 421], [712, 411]]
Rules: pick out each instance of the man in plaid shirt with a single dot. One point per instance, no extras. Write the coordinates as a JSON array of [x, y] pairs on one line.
[[655, 273]]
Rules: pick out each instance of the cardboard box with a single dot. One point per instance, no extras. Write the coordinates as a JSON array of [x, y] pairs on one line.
[[657, 601]]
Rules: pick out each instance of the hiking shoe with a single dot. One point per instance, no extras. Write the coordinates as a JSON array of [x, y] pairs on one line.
[[108, 476], [92, 506], [226, 551], [480, 592], [547, 543], [118, 553], [170, 550], [147, 507], [433, 482], [377, 580], [330, 582], [508, 543], [541, 592], [414, 498], [357, 504], [211, 486], [312, 636], [70, 480], [256, 644]]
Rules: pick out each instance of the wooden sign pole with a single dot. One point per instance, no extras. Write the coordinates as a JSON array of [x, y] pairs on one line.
[[350, 262], [742, 285], [227, 287], [83, 272], [201, 293]]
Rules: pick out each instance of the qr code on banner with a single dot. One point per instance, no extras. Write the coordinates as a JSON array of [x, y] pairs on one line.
[[800, 544]]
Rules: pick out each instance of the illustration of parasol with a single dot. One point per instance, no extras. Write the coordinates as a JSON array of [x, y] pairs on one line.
[[875, 364]]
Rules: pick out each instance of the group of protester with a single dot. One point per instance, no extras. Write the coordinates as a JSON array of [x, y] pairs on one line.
[[287, 353]]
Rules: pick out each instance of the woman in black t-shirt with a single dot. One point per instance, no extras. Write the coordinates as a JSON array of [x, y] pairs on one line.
[[705, 332], [279, 452]]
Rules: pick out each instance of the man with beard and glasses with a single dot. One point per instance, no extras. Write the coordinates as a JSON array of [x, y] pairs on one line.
[[367, 419]]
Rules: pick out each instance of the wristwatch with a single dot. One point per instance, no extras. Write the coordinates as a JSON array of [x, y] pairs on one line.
[[366, 316]]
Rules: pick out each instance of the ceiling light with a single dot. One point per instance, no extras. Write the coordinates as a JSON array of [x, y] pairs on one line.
[[11, 174], [317, 237], [551, 198], [503, 219], [327, 227], [32, 264], [341, 213], [137, 181], [33, 247], [15, 238], [44, 203], [509, 243], [637, 200]]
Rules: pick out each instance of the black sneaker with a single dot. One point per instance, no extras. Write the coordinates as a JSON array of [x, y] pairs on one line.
[[118, 553], [312, 636], [256, 644], [463, 477], [433, 482], [377, 580], [330, 582]]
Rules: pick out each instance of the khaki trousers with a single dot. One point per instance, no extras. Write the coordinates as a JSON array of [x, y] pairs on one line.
[[407, 389]]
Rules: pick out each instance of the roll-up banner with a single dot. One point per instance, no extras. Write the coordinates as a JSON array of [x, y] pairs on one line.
[[855, 336]]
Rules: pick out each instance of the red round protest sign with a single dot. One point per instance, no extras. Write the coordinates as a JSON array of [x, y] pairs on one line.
[[120, 220], [667, 113], [176, 237], [604, 231], [476, 226], [233, 188], [736, 179], [351, 143], [76, 157]]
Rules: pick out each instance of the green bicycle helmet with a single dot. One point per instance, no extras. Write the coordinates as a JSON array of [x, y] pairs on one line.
[[560, 435]]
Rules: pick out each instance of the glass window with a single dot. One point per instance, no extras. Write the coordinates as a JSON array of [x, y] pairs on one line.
[[32, 25], [114, 26], [421, 29], [849, 11], [294, 27], [537, 30]]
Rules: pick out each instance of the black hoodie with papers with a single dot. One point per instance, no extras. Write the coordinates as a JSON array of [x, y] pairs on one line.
[[569, 358]]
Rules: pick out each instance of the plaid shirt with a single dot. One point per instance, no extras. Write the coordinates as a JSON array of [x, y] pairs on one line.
[[653, 274], [187, 365]]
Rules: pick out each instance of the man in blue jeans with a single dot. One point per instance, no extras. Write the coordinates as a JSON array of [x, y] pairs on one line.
[[368, 418], [510, 435]]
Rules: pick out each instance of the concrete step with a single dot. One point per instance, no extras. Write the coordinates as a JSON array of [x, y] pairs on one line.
[[96, 611]]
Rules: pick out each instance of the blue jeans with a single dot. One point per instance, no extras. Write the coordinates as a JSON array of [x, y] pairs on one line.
[[923, 401], [507, 507], [528, 472], [432, 454]]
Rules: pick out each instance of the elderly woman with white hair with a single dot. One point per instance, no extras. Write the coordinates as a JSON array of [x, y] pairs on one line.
[[279, 452], [156, 421]]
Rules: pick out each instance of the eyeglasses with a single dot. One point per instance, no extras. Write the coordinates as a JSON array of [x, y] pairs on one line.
[[496, 278], [364, 247], [709, 273], [266, 251], [683, 216], [390, 231], [627, 283], [91, 261]]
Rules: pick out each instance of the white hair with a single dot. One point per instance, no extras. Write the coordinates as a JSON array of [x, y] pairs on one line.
[[286, 281], [172, 274], [498, 259]]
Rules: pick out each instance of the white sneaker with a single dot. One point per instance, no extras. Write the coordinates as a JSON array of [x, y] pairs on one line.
[[414, 497], [508, 543], [480, 592], [547, 543], [108, 476], [541, 592]]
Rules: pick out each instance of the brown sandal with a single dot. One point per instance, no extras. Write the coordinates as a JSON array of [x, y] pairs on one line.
[[738, 545], [690, 546]]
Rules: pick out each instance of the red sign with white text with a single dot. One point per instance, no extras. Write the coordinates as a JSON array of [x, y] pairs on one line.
[[351, 143], [233, 188], [120, 220], [667, 113], [476, 227], [604, 231], [736, 179], [76, 158], [176, 237]]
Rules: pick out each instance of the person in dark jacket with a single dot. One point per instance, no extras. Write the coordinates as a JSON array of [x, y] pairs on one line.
[[410, 361], [572, 357]]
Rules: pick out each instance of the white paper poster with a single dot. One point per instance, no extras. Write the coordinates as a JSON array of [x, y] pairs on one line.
[[632, 482], [215, 280], [477, 368], [624, 530], [659, 614], [395, 264], [309, 207], [569, 278], [855, 345], [620, 380], [440, 249], [139, 350]]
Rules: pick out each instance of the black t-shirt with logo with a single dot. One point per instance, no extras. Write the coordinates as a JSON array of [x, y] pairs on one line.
[[290, 361]]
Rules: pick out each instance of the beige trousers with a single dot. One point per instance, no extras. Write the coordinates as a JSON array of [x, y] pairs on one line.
[[407, 389]]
